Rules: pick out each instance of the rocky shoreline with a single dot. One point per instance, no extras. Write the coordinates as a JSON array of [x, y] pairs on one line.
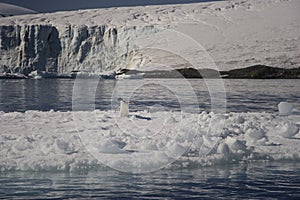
[[252, 72]]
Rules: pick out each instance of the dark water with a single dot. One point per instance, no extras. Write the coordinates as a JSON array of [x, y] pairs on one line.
[[251, 181], [57, 94]]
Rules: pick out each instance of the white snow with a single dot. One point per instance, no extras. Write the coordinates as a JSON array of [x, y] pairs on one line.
[[70, 141], [236, 34]]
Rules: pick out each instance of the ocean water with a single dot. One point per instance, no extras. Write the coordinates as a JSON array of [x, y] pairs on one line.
[[241, 95], [243, 181], [258, 180]]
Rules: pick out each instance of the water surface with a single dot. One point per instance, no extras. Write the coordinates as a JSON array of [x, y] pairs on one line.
[[243, 181], [241, 95]]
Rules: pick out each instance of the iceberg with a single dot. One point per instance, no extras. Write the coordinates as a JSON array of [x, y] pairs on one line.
[[285, 108]]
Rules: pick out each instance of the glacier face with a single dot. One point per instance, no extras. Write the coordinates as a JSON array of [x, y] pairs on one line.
[[235, 34], [28, 48], [67, 48]]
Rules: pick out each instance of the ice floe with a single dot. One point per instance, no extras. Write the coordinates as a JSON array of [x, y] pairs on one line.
[[89, 140]]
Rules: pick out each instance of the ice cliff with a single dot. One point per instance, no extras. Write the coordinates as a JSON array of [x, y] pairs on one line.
[[236, 34], [64, 49]]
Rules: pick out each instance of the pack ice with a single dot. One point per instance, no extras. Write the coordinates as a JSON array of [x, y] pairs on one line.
[[85, 140]]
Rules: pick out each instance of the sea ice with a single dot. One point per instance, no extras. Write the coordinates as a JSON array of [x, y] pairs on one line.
[[285, 108], [70, 141]]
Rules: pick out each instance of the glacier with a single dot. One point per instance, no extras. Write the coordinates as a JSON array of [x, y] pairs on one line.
[[74, 48], [235, 34]]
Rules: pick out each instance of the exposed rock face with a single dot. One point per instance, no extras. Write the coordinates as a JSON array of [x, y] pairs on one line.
[[262, 72], [64, 49], [252, 72]]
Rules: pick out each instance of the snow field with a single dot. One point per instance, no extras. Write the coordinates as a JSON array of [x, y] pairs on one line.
[[76, 141], [236, 34]]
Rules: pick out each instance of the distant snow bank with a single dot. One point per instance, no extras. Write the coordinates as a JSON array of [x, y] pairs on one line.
[[236, 34], [7, 10], [52, 141]]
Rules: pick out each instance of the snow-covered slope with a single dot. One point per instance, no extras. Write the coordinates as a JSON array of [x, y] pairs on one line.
[[235, 33], [11, 10]]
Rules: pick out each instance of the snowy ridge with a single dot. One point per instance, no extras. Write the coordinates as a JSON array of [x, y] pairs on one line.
[[7, 10], [236, 34], [52, 140]]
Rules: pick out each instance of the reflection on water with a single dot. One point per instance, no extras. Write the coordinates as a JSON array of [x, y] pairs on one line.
[[272, 180], [242, 95], [22, 95]]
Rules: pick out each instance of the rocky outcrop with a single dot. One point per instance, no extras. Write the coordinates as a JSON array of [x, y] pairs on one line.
[[69, 48], [262, 72], [252, 72], [182, 73]]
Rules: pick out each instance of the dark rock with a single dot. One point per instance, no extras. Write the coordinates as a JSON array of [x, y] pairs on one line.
[[262, 72], [12, 76], [176, 73]]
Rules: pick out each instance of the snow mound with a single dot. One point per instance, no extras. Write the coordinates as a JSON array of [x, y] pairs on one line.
[[58, 141], [12, 10]]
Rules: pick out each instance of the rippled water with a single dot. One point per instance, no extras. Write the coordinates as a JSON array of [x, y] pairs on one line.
[[255, 181], [241, 95]]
